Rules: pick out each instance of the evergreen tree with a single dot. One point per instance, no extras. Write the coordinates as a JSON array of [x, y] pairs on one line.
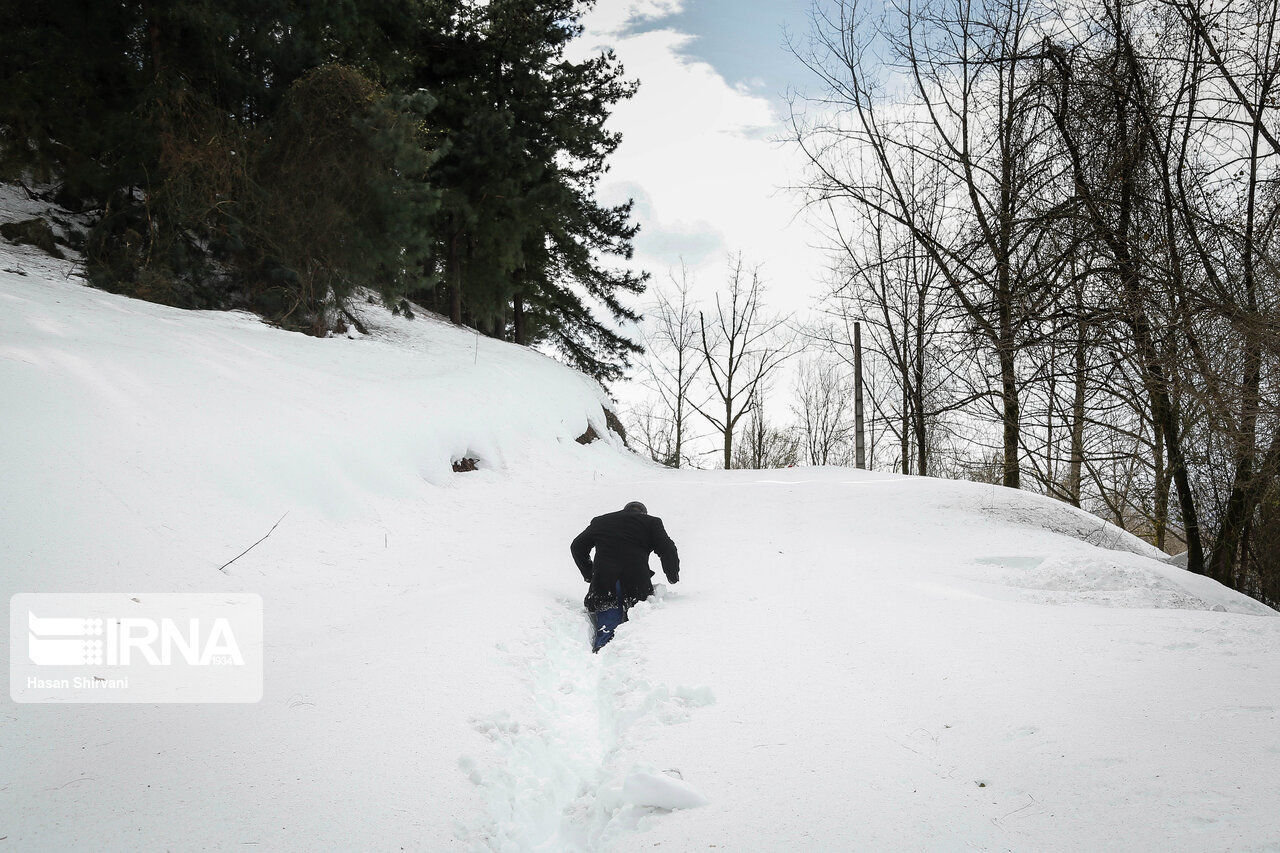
[[69, 88], [276, 154], [343, 199], [523, 147], [567, 104], [187, 124]]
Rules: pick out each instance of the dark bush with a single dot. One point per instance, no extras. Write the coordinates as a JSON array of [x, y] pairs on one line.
[[341, 201]]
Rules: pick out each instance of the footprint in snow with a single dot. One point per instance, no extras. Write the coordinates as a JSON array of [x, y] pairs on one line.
[[565, 771]]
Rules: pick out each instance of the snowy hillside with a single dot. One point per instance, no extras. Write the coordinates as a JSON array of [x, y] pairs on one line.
[[851, 660]]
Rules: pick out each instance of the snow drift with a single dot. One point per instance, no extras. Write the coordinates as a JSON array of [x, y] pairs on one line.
[[851, 660]]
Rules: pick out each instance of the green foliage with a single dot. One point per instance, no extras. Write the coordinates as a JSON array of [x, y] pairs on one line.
[[278, 155], [523, 146], [343, 197], [167, 241]]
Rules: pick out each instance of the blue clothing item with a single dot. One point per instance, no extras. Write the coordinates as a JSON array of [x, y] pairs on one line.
[[606, 621]]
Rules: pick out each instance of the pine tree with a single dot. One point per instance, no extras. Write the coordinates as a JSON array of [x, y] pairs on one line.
[[185, 122], [275, 155], [69, 87], [344, 199], [523, 147]]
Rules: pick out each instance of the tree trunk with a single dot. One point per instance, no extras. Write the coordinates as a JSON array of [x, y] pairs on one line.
[[1080, 366], [1153, 369], [906, 428], [518, 321], [679, 444], [1163, 413], [859, 440], [1012, 476], [728, 434], [1006, 350], [1074, 471], [1051, 394], [680, 391], [1162, 491], [454, 274], [917, 392], [1226, 548]]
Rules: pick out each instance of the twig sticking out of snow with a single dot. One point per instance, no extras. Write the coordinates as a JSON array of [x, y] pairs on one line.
[[223, 567]]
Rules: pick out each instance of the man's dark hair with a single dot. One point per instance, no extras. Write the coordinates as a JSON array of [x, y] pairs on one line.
[[636, 506]]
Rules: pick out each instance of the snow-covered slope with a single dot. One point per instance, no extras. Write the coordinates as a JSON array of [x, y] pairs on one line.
[[851, 660]]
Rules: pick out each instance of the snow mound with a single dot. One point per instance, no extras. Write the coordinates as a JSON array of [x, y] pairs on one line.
[[661, 791], [1115, 579], [1015, 508], [195, 406], [988, 540]]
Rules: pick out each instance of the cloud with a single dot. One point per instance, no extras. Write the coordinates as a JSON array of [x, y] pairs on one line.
[[700, 156], [693, 244], [672, 243], [612, 18]]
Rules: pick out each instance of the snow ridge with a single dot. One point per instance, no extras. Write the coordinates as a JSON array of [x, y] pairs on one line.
[[567, 773]]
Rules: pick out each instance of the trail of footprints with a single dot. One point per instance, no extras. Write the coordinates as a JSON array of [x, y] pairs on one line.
[[555, 778]]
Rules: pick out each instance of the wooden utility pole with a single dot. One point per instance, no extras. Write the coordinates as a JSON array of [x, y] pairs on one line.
[[860, 447]]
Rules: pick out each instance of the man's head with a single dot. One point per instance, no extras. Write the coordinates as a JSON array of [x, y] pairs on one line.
[[635, 506]]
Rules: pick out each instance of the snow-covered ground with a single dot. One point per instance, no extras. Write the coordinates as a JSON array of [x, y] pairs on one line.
[[850, 661]]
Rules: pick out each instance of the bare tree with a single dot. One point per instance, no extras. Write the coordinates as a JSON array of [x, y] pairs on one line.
[[891, 286], [1163, 117], [1228, 207], [742, 348], [823, 409], [762, 445], [649, 426], [1093, 186], [972, 113], [674, 361]]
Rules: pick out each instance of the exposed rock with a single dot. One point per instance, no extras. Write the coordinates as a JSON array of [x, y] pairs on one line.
[[466, 463], [33, 232], [614, 425]]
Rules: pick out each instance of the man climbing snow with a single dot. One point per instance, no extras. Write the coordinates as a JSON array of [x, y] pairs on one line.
[[620, 575]]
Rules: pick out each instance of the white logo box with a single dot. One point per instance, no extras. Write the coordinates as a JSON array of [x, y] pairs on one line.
[[135, 647]]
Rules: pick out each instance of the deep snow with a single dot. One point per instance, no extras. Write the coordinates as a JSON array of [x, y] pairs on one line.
[[851, 660]]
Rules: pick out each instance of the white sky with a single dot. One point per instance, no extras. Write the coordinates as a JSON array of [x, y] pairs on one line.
[[701, 158]]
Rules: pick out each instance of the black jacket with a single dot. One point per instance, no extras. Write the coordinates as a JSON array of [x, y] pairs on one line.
[[623, 541]]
